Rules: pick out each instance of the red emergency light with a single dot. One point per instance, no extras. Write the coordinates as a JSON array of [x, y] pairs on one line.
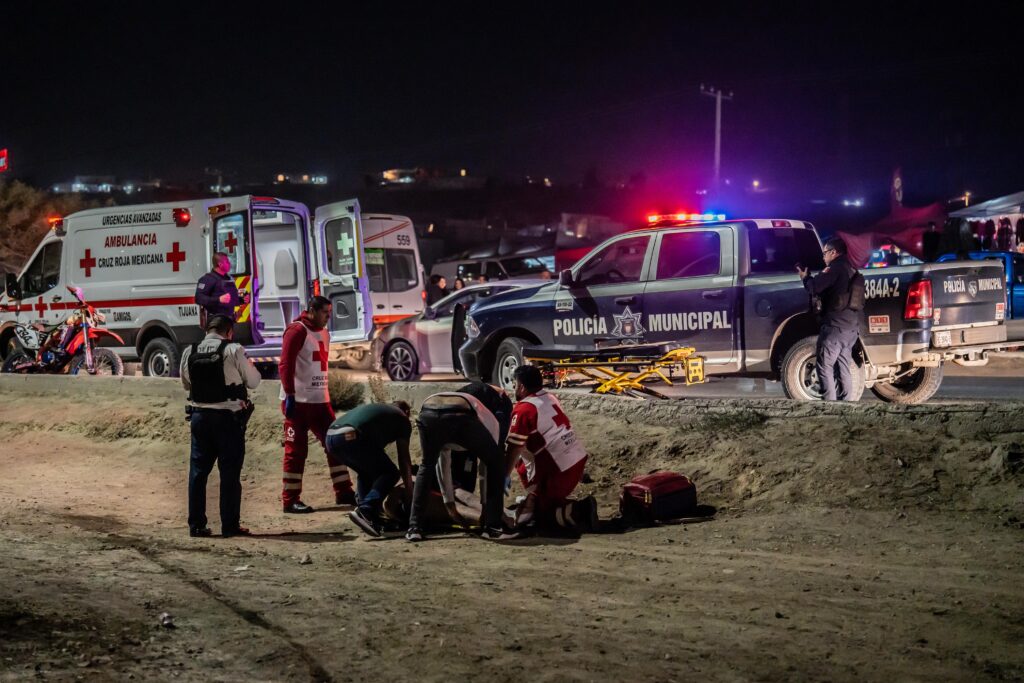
[[4, 163], [182, 217], [264, 200], [56, 223]]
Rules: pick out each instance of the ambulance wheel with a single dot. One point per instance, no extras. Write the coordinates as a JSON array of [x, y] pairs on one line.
[[401, 363], [916, 387], [506, 360], [800, 378], [359, 359], [160, 358], [106, 362]]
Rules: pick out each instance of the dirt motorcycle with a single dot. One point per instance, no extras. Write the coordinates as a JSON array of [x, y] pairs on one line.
[[69, 348]]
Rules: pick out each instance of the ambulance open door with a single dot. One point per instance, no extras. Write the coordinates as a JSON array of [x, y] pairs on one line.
[[231, 234], [342, 270]]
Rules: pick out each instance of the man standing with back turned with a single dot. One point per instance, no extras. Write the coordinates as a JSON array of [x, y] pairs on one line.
[[216, 373], [840, 322], [306, 404]]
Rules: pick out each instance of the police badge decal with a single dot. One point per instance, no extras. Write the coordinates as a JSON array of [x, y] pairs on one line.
[[628, 324]]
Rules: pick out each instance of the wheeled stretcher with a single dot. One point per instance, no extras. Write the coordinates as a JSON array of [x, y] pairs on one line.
[[621, 369]]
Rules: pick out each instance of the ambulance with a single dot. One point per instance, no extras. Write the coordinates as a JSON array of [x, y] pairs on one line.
[[396, 277], [139, 265]]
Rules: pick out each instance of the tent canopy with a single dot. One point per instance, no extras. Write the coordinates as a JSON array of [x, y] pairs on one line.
[[1000, 206]]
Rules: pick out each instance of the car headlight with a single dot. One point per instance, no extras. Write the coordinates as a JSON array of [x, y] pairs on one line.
[[472, 329]]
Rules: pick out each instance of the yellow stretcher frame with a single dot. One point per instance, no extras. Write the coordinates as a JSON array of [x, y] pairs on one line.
[[625, 374]]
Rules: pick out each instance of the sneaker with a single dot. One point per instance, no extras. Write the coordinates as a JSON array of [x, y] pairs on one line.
[[345, 498], [497, 533], [365, 521], [240, 531], [199, 532], [414, 535], [297, 508]]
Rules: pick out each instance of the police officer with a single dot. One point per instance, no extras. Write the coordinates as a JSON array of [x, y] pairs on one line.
[[216, 293], [839, 323], [216, 373]]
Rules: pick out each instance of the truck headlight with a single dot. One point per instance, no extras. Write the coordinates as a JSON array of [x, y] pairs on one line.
[[472, 329]]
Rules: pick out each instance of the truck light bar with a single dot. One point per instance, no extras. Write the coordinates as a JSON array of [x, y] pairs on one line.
[[689, 217]]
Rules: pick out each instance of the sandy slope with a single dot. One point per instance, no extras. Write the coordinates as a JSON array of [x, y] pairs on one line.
[[851, 544]]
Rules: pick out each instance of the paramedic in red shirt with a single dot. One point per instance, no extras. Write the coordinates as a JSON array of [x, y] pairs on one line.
[[549, 458], [306, 404]]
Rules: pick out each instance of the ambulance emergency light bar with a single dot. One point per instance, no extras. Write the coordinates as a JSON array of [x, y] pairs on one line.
[[657, 218]]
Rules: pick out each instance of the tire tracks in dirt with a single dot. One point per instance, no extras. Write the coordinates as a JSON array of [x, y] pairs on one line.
[[94, 524]]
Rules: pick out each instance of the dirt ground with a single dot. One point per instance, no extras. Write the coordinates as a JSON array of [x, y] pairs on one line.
[[850, 544]]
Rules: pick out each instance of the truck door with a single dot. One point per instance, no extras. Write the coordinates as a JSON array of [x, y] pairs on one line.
[[690, 296], [231, 234], [342, 270], [605, 301]]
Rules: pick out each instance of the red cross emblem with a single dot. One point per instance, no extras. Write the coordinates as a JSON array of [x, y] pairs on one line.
[[175, 256], [87, 263], [320, 355], [231, 242], [40, 307]]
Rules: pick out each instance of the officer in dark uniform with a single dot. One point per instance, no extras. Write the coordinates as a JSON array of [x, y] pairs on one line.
[[216, 293], [840, 324], [217, 374]]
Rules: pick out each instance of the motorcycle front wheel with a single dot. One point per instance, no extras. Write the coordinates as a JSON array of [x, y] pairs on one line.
[[106, 362], [18, 362]]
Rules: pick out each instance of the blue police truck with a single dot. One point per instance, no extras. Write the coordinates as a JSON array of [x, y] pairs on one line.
[[729, 289]]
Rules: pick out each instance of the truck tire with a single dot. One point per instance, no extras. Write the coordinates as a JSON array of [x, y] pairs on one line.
[[401, 363], [508, 357], [106, 362], [916, 387], [161, 358], [800, 379]]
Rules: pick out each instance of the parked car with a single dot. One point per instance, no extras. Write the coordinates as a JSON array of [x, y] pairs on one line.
[[512, 267], [422, 344]]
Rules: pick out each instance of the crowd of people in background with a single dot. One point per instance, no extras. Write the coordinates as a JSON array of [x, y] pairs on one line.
[[995, 235]]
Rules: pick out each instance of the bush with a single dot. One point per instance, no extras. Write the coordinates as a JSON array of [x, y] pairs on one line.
[[345, 394]]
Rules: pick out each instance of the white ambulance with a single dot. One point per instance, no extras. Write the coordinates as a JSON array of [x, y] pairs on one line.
[[396, 278], [139, 265]]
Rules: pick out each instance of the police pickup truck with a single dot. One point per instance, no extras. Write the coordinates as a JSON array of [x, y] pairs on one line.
[[729, 289]]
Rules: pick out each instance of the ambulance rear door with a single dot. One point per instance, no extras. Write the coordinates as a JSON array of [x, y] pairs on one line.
[[342, 270], [231, 233]]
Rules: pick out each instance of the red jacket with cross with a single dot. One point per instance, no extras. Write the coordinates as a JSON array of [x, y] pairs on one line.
[[303, 366]]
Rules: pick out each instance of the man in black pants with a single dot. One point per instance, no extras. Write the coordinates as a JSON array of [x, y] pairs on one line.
[[460, 420], [216, 373], [358, 439], [840, 324]]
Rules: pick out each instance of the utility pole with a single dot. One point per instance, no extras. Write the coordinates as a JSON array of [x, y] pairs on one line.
[[719, 96]]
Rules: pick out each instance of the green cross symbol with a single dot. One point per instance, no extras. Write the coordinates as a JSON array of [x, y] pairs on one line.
[[345, 244]]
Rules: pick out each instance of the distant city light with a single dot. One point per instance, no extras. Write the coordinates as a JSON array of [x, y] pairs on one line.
[[853, 202], [462, 173], [280, 177], [756, 184]]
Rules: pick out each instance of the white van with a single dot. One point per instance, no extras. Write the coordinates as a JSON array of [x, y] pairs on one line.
[[395, 274], [140, 264]]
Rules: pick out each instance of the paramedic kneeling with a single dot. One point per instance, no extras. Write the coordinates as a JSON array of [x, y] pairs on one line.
[[216, 373], [549, 458], [840, 323], [358, 439]]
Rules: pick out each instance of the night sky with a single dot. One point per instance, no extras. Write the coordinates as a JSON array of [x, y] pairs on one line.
[[826, 100]]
